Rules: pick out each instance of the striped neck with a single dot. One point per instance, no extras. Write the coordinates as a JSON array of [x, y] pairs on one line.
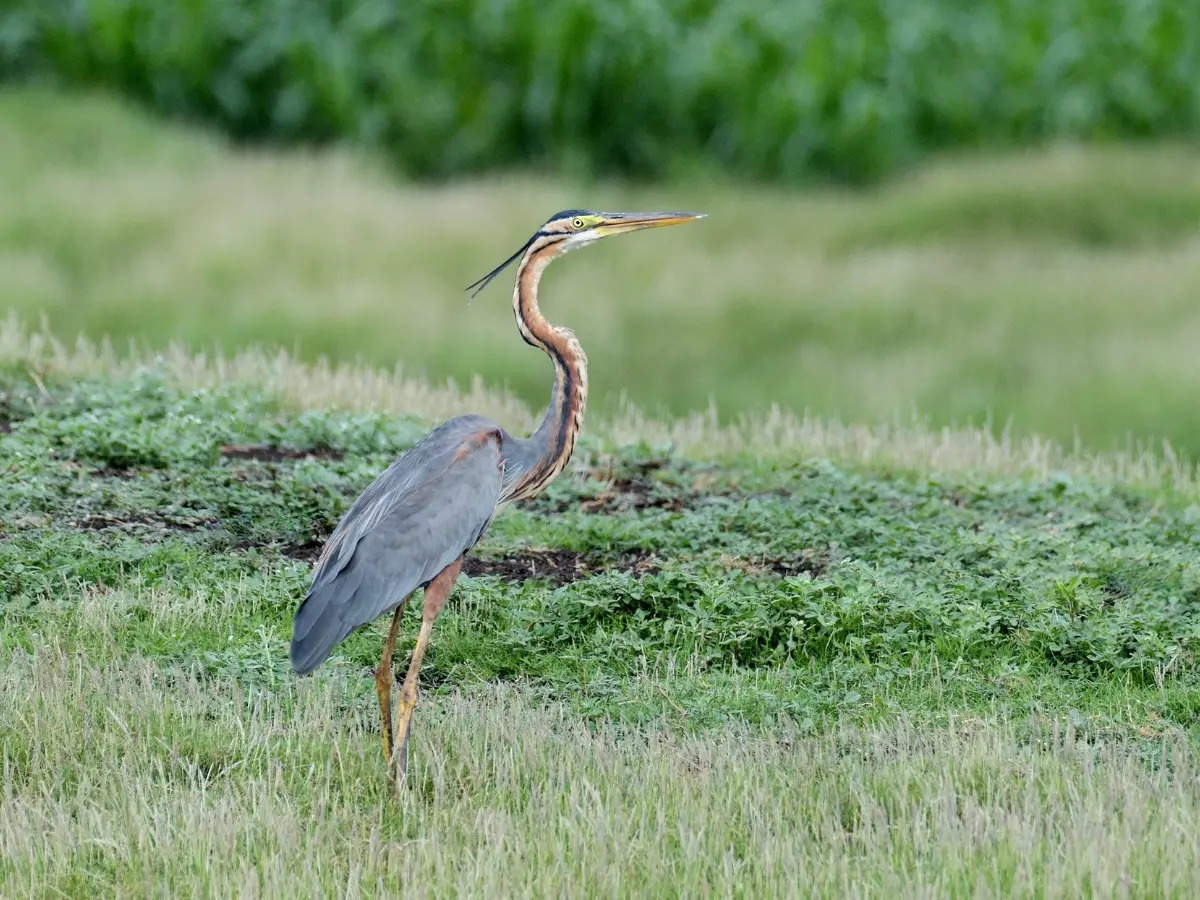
[[551, 444]]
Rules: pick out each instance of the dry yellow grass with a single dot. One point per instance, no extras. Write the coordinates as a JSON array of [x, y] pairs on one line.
[[122, 776], [357, 386]]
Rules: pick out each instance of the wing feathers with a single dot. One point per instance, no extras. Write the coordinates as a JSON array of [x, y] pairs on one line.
[[422, 513]]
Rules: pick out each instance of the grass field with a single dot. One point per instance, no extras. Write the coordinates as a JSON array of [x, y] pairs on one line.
[[676, 673], [1052, 292], [738, 648]]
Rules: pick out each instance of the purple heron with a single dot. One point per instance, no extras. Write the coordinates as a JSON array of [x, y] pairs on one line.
[[411, 527]]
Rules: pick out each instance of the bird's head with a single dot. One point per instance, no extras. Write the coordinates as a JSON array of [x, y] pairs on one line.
[[573, 228]]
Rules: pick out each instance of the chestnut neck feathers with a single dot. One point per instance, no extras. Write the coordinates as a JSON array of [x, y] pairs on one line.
[[535, 461]]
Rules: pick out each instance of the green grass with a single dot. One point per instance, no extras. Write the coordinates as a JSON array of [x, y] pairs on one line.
[[674, 673], [1048, 293]]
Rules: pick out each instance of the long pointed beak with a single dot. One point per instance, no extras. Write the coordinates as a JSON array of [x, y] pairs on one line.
[[619, 223]]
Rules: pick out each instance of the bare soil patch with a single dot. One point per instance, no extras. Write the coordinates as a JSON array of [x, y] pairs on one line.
[[559, 566], [812, 561], [265, 453], [630, 487], [145, 520], [306, 551]]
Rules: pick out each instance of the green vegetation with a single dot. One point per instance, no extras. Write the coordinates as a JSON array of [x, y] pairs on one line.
[[782, 567], [1050, 293], [672, 674], [848, 88]]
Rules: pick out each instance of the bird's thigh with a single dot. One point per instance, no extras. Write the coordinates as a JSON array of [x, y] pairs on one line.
[[437, 592]]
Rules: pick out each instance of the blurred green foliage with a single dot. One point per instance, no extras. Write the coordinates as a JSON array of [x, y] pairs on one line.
[[843, 88]]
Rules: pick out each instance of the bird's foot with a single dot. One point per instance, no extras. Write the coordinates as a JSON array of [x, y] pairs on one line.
[[399, 762]]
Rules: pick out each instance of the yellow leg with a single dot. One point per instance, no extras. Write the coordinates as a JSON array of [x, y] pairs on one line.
[[384, 679], [436, 594]]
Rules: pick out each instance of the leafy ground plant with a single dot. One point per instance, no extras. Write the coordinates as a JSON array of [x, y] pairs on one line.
[[671, 673]]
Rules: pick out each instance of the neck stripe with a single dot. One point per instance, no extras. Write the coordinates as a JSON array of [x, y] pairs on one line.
[[569, 396]]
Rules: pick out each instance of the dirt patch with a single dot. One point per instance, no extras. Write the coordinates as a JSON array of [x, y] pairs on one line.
[[306, 551], [629, 487], [17, 407], [811, 561], [623, 494], [145, 520], [7, 415], [559, 566], [120, 472], [264, 453], [633, 488]]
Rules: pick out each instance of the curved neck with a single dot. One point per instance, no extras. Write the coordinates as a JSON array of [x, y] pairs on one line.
[[537, 460]]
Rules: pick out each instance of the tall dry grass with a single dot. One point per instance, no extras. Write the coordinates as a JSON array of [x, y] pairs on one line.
[[125, 776], [908, 444]]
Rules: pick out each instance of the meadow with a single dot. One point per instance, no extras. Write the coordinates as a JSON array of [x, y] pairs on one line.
[[674, 673], [1046, 292], [836, 632]]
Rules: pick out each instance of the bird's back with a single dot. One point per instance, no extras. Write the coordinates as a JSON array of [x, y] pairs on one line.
[[423, 512]]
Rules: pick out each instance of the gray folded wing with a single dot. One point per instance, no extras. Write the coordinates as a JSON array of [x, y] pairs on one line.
[[427, 509]]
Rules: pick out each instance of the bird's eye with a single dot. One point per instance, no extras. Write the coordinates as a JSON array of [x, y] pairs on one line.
[[577, 223]]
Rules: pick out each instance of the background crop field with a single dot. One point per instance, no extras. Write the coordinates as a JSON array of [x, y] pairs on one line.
[[849, 89], [1053, 291]]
